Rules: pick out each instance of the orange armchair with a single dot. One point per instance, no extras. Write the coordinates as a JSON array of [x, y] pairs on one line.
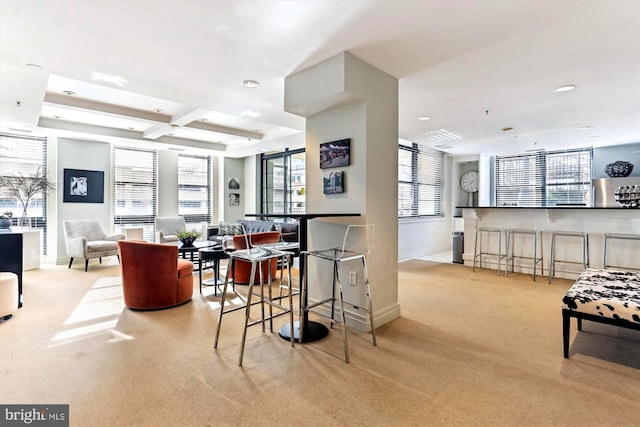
[[242, 271], [153, 277]]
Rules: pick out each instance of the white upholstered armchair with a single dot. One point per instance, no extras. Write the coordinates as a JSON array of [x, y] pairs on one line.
[[167, 227], [87, 239]]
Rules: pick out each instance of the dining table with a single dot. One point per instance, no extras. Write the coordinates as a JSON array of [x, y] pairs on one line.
[[313, 331]]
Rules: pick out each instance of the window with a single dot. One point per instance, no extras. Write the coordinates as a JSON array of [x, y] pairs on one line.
[[420, 181], [194, 188], [544, 178], [135, 189], [283, 182], [24, 156]]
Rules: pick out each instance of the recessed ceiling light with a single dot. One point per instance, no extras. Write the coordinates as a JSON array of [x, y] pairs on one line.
[[444, 146], [512, 137], [249, 113], [35, 67], [57, 117], [424, 118], [565, 88], [250, 83], [585, 127], [204, 119], [69, 92], [507, 129], [116, 80], [158, 110]]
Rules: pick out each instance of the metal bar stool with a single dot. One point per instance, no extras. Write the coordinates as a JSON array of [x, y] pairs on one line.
[[480, 233], [552, 253], [614, 236], [355, 246], [511, 249], [256, 255]]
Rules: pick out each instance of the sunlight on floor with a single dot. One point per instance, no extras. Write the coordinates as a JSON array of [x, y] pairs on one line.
[[444, 257], [98, 312]]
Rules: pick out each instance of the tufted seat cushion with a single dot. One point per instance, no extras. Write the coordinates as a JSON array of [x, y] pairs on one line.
[[606, 293], [102, 246]]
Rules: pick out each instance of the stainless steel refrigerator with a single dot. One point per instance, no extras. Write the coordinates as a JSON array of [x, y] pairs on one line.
[[603, 190]]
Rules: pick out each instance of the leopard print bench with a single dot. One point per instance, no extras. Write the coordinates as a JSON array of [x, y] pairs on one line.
[[605, 296]]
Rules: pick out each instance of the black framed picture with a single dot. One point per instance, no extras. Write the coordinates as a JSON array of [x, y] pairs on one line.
[[333, 182], [335, 154], [83, 186]]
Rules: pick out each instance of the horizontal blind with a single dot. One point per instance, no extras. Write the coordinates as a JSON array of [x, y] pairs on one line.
[[430, 181], [420, 181], [519, 179], [544, 178], [194, 190], [568, 177], [406, 179], [24, 155], [135, 188]]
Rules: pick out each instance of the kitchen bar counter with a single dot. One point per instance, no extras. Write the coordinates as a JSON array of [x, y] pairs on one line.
[[595, 221]]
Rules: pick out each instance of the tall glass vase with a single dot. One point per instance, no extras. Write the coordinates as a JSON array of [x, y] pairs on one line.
[[24, 221]]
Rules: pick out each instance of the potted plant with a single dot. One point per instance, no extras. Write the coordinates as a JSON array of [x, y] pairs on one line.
[[24, 188], [5, 219], [188, 237]]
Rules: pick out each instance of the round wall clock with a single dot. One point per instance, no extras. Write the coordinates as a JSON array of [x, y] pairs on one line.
[[469, 182]]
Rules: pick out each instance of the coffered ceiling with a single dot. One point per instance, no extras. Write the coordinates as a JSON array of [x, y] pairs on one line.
[[168, 73]]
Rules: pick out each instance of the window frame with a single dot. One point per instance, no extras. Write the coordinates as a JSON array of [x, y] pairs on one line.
[[424, 180], [147, 221], [539, 170], [202, 217]]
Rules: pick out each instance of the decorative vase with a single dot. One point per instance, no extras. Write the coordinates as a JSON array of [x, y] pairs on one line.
[[188, 241], [618, 169]]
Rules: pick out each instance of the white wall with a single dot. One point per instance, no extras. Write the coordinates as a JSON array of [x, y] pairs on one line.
[[167, 183], [234, 168], [85, 155]]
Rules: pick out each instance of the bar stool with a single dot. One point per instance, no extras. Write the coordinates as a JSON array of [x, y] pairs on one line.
[[511, 249], [255, 255], [615, 236], [480, 232], [552, 253], [356, 245]]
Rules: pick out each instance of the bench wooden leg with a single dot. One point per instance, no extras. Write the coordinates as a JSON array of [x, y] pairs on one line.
[[579, 323], [566, 326]]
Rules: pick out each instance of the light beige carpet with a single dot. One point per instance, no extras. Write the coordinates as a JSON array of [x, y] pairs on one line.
[[470, 349]]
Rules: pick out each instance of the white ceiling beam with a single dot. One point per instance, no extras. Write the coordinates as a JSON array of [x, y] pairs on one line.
[[87, 104]]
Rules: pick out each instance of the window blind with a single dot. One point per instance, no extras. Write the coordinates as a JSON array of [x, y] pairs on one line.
[[568, 177], [544, 178], [135, 189], [420, 181], [194, 189], [23, 155]]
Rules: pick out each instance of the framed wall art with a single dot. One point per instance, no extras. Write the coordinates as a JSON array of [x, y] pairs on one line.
[[335, 154], [83, 186], [333, 182]]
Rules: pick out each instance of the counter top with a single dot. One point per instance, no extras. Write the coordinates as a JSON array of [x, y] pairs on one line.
[[545, 207]]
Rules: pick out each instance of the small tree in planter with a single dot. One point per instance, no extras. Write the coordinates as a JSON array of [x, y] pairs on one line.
[[24, 188]]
